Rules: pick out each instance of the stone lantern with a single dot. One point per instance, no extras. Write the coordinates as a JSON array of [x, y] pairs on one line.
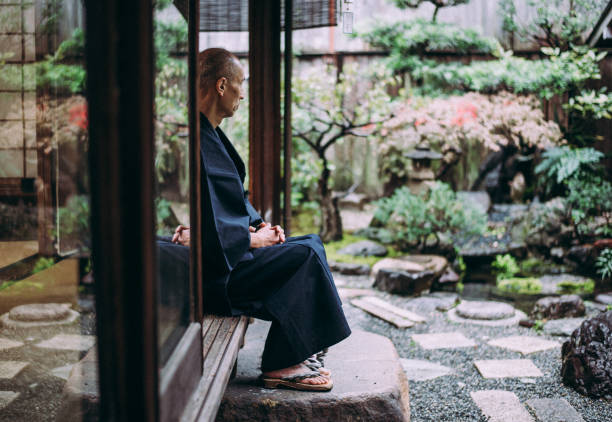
[[422, 174]]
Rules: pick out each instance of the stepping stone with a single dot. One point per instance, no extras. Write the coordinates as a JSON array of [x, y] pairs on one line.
[[507, 368], [604, 298], [62, 371], [364, 248], [10, 368], [5, 344], [486, 310], [6, 397], [501, 406], [369, 385], [399, 317], [524, 344], [35, 315], [443, 341], [562, 327], [69, 342], [349, 269], [422, 370], [454, 316], [553, 410]]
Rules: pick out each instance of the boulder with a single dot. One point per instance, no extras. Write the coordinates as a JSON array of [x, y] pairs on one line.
[[364, 248], [349, 268], [583, 256], [587, 358], [479, 199], [404, 282], [561, 327], [354, 201], [557, 307], [604, 298]]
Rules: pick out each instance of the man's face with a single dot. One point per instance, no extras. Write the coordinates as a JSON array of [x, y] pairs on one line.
[[234, 92]]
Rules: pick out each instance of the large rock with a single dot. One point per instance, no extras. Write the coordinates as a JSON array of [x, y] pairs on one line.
[[561, 327], [486, 310], [409, 275], [364, 248], [369, 385], [604, 298], [587, 357], [557, 307], [479, 199]]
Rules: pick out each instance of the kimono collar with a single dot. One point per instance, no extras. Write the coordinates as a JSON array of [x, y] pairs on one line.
[[229, 148]]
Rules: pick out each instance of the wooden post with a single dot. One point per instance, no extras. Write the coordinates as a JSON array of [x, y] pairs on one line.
[[264, 108], [287, 138]]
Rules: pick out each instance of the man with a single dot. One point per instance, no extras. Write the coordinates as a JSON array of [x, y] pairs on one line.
[[250, 268]]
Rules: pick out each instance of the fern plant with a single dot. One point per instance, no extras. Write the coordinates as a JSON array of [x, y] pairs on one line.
[[604, 264], [561, 163]]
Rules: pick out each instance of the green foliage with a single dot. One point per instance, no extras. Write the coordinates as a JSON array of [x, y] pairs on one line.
[[505, 266], [58, 72], [520, 285], [164, 216], [561, 72], [538, 326], [553, 23], [560, 164], [42, 264], [576, 287], [604, 264], [413, 218], [51, 13], [74, 220], [305, 170], [593, 104], [438, 4], [589, 203], [170, 37], [332, 248]]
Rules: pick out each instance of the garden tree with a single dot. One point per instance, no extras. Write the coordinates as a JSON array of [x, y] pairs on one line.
[[438, 4], [328, 108], [555, 23]]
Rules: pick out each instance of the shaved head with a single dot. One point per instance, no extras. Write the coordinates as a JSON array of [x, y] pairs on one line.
[[215, 63]]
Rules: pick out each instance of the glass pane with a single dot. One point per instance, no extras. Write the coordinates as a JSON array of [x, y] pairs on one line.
[[47, 322], [172, 174]]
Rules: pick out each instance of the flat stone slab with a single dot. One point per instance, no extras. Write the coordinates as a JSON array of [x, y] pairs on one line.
[[348, 293], [369, 385], [397, 264], [518, 315], [604, 298], [69, 342], [399, 317], [487, 310], [561, 327], [524, 344], [443, 340], [10, 368], [423, 370], [364, 248], [6, 397], [6, 343], [501, 406], [553, 410], [62, 371], [349, 269], [37, 312], [507, 368]]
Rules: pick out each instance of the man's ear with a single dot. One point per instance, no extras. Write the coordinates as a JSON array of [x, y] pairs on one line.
[[220, 86]]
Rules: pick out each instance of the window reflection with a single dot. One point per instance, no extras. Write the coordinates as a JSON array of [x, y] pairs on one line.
[[47, 315], [172, 174]]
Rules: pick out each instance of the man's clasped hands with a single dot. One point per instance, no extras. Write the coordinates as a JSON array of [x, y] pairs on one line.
[[261, 236]]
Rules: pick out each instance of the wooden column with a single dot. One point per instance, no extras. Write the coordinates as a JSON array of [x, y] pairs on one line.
[[287, 138], [120, 69], [264, 108]]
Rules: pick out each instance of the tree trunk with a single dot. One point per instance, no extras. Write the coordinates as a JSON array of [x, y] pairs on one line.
[[331, 222]]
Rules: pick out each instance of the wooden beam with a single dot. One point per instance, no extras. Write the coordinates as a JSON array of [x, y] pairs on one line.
[[264, 107], [287, 138], [120, 72]]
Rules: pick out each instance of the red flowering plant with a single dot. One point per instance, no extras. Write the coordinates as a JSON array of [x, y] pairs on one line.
[[453, 125]]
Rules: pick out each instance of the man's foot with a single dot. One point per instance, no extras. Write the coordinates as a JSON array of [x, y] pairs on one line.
[[316, 365], [297, 370]]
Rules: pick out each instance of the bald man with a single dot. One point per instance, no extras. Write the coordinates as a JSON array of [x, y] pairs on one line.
[[250, 268]]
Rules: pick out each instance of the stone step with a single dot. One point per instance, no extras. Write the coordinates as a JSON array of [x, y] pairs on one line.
[[369, 384]]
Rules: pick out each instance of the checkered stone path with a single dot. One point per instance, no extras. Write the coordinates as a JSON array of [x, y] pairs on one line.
[[443, 340], [62, 371], [501, 406], [5, 343], [68, 342], [553, 410], [507, 368], [10, 368], [6, 397], [524, 344], [423, 370]]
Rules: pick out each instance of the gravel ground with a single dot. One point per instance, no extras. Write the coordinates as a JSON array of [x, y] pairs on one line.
[[448, 398]]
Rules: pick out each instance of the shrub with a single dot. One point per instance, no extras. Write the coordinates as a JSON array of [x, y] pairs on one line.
[[520, 285], [505, 266], [576, 287], [42, 264], [413, 218], [604, 264], [560, 164], [590, 205]]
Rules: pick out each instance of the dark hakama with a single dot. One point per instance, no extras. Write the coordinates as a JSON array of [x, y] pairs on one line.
[[289, 284]]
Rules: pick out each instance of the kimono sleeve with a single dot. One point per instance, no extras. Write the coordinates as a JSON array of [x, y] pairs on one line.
[[254, 217]]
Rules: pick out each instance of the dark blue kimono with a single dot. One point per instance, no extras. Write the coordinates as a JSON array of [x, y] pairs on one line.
[[289, 284]]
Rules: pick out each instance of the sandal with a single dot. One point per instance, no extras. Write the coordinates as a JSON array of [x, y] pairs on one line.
[[316, 365], [294, 382]]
